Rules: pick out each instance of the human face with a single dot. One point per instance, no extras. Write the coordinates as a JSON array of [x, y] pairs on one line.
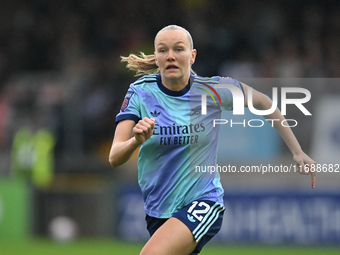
[[174, 57]]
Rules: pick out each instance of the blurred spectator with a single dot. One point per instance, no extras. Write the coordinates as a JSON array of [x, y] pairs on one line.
[[81, 42]]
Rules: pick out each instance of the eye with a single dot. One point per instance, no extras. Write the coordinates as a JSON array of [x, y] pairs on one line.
[[179, 49], [161, 50]]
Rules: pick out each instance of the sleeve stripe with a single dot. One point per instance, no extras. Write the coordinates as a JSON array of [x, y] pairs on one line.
[[127, 116]]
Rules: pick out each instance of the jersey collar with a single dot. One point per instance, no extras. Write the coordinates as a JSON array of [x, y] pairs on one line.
[[171, 92]]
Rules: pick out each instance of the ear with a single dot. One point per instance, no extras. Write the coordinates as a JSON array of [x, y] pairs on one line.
[[156, 59], [193, 56]]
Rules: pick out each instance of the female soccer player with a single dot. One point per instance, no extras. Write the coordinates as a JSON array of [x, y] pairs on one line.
[[162, 116]]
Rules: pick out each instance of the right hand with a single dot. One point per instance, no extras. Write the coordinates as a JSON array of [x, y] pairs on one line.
[[143, 130], [305, 165]]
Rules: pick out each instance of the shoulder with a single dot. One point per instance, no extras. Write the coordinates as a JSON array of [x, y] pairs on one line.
[[144, 84], [146, 79], [212, 82], [197, 80], [229, 80], [215, 80]]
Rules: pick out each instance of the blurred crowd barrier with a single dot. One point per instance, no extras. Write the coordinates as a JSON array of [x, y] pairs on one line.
[[265, 217]]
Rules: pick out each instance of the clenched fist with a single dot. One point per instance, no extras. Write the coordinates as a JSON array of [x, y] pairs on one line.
[[144, 129]]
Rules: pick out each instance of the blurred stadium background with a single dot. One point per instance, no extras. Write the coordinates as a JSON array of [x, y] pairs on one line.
[[62, 83]]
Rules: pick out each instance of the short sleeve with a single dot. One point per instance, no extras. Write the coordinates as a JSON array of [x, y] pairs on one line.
[[130, 108], [226, 95]]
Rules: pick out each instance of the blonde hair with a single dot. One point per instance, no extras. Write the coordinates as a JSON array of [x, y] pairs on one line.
[[146, 64]]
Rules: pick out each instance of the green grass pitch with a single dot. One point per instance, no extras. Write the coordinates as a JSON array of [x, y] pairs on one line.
[[112, 247]]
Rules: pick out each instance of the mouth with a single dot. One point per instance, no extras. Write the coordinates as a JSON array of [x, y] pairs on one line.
[[171, 67]]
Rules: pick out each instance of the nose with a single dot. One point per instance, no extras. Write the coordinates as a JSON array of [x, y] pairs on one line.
[[170, 56]]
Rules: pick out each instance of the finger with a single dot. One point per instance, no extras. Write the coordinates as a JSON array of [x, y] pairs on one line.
[[143, 126], [313, 182], [146, 122], [150, 126], [146, 126], [140, 126], [151, 122], [143, 129], [313, 174], [138, 130]]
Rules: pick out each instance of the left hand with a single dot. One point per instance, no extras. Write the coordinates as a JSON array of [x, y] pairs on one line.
[[305, 165]]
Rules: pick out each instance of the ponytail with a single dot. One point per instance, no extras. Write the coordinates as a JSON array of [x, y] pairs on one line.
[[142, 64]]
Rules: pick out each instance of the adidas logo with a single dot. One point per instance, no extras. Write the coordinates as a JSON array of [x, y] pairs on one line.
[[195, 111], [155, 113], [191, 218]]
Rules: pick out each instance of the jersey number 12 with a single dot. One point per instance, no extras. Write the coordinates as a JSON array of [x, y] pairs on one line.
[[199, 211]]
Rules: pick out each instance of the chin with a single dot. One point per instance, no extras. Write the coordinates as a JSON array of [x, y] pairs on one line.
[[172, 76]]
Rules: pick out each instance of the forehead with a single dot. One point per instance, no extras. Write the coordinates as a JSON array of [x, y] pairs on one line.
[[172, 36]]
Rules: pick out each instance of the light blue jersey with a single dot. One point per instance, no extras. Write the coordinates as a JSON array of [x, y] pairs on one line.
[[183, 139]]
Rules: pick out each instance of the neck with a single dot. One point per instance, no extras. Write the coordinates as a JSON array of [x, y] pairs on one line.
[[176, 84]]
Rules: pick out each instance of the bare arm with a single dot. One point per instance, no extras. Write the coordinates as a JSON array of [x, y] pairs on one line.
[[263, 102], [128, 137]]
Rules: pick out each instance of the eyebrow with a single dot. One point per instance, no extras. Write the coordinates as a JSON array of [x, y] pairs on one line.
[[163, 44]]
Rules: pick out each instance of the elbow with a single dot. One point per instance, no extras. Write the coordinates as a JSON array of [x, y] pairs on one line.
[[114, 158], [113, 161]]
